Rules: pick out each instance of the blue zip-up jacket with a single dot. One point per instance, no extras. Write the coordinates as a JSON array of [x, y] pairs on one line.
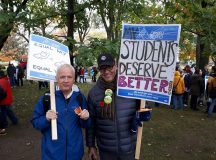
[[69, 145]]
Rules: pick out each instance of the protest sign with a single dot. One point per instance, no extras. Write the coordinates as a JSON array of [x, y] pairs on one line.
[[147, 61], [44, 56], [206, 81]]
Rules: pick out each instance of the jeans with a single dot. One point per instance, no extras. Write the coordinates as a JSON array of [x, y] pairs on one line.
[[213, 103], [6, 111], [177, 98], [12, 81], [81, 77]]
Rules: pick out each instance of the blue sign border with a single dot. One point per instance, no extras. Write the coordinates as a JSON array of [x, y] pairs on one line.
[[49, 42], [159, 32]]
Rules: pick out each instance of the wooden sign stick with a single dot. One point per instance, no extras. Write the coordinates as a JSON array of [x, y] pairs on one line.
[[53, 107], [139, 133]]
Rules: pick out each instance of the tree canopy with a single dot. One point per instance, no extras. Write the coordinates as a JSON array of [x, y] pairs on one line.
[[69, 21]]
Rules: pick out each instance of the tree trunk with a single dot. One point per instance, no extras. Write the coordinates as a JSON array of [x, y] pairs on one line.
[[3, 40], [201, 58], [70, 25]]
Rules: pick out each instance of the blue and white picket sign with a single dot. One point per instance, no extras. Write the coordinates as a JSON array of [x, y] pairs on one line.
[[147, 61], [206, 81], [44, 57]]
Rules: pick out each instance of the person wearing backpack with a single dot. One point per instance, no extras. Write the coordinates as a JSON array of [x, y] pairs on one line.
[[179, 88], [71, 115], [212, 90], [2, 116], [5, 103]]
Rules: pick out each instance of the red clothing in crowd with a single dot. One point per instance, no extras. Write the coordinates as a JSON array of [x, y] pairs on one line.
[[82, 71], [4, 83]]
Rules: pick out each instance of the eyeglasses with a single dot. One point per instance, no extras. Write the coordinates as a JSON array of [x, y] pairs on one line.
[[64, 78], [104, 68]]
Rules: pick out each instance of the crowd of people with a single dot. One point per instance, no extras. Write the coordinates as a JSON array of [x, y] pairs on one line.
[[15, 74], [192, 90], [83, 73]]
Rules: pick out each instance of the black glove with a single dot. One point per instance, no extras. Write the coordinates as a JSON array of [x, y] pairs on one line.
[[135, 123], [138, 118], [144, 116]]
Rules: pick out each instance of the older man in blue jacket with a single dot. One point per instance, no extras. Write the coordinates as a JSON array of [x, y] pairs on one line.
[[69, 145]]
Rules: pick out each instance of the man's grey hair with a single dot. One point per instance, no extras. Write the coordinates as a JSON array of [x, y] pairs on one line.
[[65, 66]]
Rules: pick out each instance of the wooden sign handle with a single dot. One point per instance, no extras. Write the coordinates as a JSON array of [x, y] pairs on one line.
[[139, 133], [53, 107]]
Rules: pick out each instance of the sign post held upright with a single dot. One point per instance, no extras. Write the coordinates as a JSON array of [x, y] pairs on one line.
[[53, 107]]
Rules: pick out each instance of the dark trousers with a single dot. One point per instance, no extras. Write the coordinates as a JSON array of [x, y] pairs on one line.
[[19, 81], [94, 78], [193, 102], [81, 77], [12, 81], [115, 156], [6, 111], [3, 119], [185, 98]]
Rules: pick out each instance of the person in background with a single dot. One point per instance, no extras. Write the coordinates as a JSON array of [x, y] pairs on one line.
[[113, 118], [200, 99], [81, 72], [5, 103], [212, 91], [71, 114], [178, 83], [193, 68], [86, 74], [205, 72], [76, 73], [95, 72], [187, 81], [11, 71], [196, 89], [3, 124], [20, 75]]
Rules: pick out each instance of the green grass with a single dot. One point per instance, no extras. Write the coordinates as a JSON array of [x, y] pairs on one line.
[[170, 135]]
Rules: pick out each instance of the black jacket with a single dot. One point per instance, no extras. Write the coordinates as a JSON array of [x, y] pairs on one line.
[[111, 134]]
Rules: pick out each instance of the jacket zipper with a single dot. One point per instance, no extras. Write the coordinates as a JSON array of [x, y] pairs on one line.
[[116, 124]]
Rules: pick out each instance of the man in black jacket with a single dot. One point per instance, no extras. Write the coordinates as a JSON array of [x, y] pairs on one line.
[[112, 116]]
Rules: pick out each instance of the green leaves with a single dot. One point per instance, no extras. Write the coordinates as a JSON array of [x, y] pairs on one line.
[[87, 54]]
